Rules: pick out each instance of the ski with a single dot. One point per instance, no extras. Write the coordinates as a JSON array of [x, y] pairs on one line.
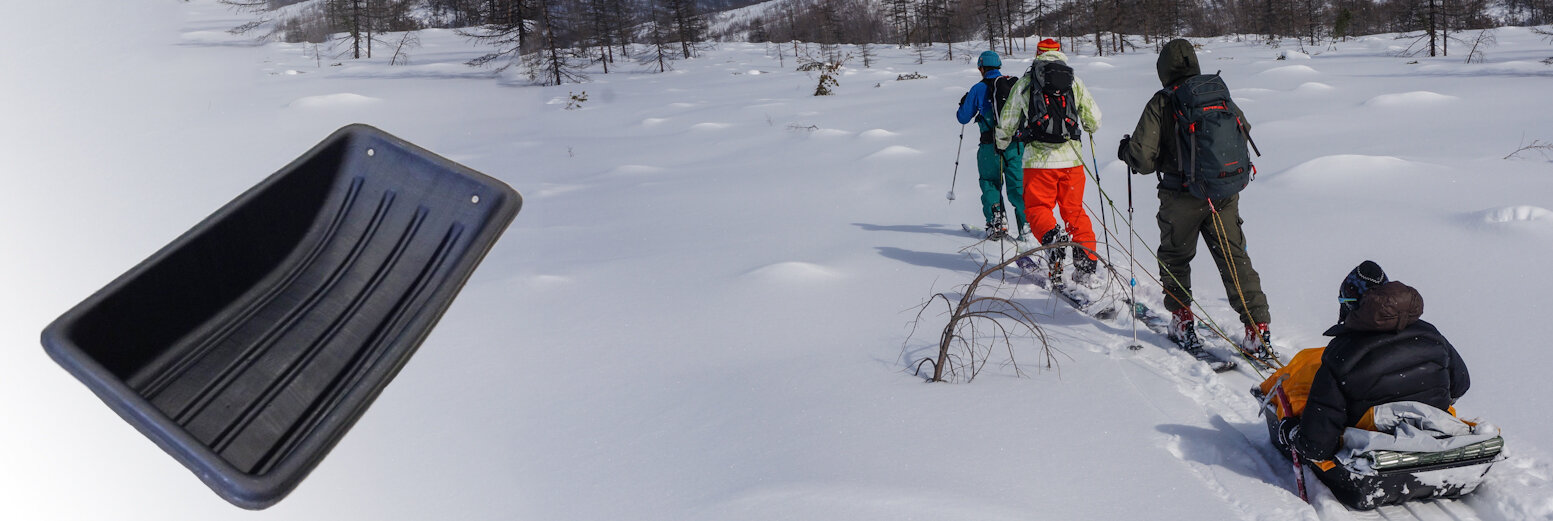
[[1262, 363], [980, 232], [1067, 294], [1159, 324]]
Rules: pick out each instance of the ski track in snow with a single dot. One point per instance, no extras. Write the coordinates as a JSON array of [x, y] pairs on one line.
[[1232, 461]]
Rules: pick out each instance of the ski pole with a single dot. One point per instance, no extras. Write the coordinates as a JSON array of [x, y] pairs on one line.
[[1132, 262], [957, 149], [1100, 191]]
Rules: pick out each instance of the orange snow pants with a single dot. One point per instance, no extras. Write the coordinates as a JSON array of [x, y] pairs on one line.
[[1064, 189]]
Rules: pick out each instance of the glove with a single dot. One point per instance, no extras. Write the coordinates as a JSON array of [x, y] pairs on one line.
[[962, 99], [1121, 151], [1287, 429]]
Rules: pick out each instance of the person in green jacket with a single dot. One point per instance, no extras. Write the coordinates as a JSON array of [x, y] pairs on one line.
[[997, 166], [1151, 148], [1054, 172]]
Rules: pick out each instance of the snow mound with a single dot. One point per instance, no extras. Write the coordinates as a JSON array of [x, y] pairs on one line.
[[1512, 214], [1293, 55], [1314, 87], [792, 272], [710, 126], [653, 122], [1100, 66], [1349, 172], [1415, 98], [1290, 71], [830, 132], [548, 281], [331, 101], [550, 190], [877, 133], [895, 151]]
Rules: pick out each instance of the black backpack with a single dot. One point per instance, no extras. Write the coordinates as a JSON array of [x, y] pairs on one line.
[[997, 92], [1210, 138], [1052, 111]]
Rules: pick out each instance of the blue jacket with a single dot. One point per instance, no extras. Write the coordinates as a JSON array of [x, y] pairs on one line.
[[977, 102]]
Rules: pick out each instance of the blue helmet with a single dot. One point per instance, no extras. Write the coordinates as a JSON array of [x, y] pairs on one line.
[[989, 59]]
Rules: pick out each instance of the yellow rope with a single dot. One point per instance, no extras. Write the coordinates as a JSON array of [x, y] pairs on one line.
[[1191, 301]]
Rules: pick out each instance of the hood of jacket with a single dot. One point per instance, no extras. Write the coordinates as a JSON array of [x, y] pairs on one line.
[[1052, 56], [1177, 61], [1389, 307]]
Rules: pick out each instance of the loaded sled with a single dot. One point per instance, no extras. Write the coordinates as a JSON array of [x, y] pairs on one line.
[[1415, 452], [247, 347]]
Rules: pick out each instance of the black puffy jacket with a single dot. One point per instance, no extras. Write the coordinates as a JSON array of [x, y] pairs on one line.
[[1383, 353]]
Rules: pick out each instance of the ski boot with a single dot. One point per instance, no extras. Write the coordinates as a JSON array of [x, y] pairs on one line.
[[1183, 330], [1085, 268], [1258, 343], [997, 228], [1054, 256]]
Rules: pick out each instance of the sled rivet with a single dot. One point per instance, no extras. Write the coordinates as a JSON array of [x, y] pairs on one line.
[[371, 152], [474, 199]]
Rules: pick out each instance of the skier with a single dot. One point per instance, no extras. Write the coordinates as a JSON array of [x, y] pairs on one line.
[[1154, 147], [996, 166], [1382, 352], [1054, 172]]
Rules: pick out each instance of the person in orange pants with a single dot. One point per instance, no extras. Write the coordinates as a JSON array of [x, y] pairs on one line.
[[1049, 109], [1062, 188]]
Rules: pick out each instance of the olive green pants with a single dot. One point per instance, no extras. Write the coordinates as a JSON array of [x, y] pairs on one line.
[[1182, 218]]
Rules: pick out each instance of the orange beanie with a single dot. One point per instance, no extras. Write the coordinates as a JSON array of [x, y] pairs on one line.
[[1047, 45]]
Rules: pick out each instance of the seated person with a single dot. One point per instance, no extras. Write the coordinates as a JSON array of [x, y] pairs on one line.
[[1382, 353]]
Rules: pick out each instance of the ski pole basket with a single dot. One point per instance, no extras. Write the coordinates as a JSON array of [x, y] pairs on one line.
[[248, 346]]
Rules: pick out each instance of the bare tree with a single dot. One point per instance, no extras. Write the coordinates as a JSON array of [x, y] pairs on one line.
[[504, 26], [688, 26], [658, 33], [264, 14], [553, 64], [982, 318]]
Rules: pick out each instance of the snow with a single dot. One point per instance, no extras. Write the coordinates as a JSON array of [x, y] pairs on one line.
[[705, 309]]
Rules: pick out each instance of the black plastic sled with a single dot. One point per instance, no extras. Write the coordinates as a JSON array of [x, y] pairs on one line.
[[1399, 477], [248, 346]]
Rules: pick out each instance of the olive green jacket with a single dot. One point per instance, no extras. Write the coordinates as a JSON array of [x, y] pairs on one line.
[[1152, 147]]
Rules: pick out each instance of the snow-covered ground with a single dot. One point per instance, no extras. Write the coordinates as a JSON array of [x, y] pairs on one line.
[[703, 310]]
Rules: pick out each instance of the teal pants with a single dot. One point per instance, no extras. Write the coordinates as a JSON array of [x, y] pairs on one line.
[[999, 170]]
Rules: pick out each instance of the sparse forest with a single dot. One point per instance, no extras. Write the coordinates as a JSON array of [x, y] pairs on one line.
[[555, 40]]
